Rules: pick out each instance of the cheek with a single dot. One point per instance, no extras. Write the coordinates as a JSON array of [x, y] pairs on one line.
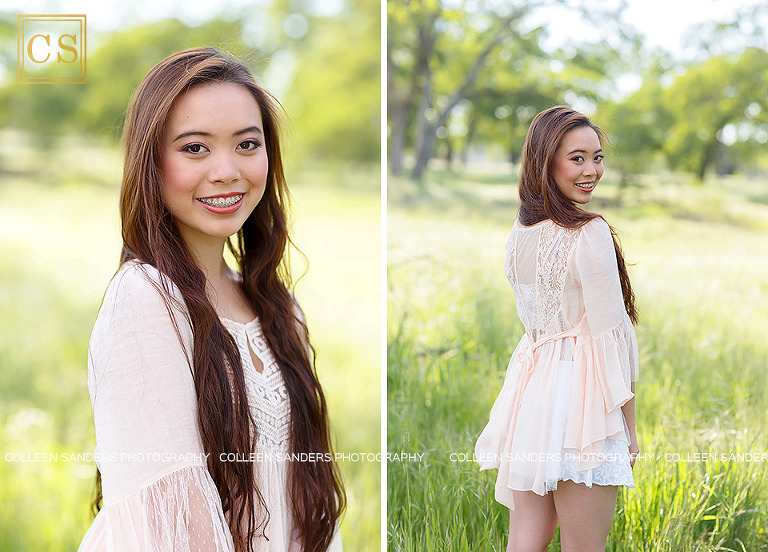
[[177, 179], [258, 171], [563, 173]]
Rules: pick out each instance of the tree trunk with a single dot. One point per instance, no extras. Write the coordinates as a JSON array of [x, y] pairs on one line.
[[397, 141], [400, 103], [397, 112], [709, 154], [425, 145], [425, 131], [471, 129]]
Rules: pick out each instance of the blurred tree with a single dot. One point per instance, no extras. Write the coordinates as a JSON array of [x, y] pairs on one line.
[[724, 90], [636, 124], [335, 96], [466, 40], [7, 60], [709, 110], [484, 61]]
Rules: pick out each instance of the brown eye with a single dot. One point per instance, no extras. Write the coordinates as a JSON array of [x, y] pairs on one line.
[[193, 148], [249, 145]]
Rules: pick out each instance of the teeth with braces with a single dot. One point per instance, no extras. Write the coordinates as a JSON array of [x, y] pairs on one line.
[[221, 201]]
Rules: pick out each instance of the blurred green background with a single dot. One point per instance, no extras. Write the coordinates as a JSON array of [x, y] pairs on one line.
[[60, 169], [686, 185]]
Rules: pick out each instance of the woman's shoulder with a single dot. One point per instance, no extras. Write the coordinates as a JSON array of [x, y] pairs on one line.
[[137, 290], [517, 225], [138, 301], [138, 280], [597, 230]]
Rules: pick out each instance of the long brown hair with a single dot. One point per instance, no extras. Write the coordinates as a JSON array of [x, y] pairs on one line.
[[540, 198], [151, 236]]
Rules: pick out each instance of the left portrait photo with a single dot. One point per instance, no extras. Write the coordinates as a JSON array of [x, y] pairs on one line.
[[190, 276]]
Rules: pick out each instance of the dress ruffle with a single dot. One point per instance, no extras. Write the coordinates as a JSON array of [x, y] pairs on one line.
[[180, 512], [516, 435]]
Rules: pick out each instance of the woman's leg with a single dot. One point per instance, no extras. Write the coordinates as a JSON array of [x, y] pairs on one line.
[[585, 515], [532, 523]]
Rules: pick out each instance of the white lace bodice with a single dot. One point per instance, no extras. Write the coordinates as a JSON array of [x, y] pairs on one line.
[[267, 396], [539, 291]]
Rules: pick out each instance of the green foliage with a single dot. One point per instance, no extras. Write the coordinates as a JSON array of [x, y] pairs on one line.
[[333, 94], [684, 121], [708, 97], [705, 113], [452, 325], [335, 97]]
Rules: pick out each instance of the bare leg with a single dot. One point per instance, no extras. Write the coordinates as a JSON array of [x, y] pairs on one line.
[[585, 515], [532, 523]]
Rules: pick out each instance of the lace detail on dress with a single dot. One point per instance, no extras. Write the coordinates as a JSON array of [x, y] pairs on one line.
[[511, 273], [181, 511], [267, 395], [555, 247]]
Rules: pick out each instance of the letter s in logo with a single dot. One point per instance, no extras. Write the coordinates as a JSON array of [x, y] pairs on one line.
[[68, 48]]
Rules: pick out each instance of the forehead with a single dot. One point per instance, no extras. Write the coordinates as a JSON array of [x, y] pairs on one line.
[[583, 138], [213, 108]]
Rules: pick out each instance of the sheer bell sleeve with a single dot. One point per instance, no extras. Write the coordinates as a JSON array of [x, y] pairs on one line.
[[607, 317], [605, 355], [158, 493]]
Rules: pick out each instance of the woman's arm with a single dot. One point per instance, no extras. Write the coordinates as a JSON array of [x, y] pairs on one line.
[[158, 493], [629, 415]]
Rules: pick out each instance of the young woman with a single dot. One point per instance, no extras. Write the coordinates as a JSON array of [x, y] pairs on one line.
[[204, 393], [562, 431]]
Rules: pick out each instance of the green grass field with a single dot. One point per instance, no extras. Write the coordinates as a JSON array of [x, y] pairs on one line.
[[700, 274], [60, 246]]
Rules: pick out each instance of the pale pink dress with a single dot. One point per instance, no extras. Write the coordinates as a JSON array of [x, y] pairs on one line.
[[158, 493], [558, 416]]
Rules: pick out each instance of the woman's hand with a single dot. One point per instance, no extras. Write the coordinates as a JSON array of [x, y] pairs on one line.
[[634, 450]]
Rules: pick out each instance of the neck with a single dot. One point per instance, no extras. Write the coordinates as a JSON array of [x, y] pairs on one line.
[[209, 254]]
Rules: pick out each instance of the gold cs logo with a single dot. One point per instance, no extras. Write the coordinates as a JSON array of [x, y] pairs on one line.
[[62, 46], [51, 49]]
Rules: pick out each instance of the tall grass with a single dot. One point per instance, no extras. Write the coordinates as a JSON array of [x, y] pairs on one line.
[[60, 246], [699, 275]]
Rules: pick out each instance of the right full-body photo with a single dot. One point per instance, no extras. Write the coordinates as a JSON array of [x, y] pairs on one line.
[[562, 430]]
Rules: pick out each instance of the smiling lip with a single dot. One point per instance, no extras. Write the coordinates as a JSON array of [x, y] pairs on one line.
[[585, 186], [221, 204]]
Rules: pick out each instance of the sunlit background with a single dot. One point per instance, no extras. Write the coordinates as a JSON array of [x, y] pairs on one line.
[[681, 88], [60, 169]]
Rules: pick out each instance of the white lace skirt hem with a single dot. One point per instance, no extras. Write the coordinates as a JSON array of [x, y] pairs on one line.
[[615, 468]]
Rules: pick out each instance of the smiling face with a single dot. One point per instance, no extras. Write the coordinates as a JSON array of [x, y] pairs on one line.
[[214, 161], [578, 164]]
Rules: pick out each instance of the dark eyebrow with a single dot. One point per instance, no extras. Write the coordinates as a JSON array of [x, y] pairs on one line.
[[202, 133], [585, 151]]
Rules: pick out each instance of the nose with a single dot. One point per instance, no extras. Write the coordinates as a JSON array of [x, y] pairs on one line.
[[223, 169], [589, 169]]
